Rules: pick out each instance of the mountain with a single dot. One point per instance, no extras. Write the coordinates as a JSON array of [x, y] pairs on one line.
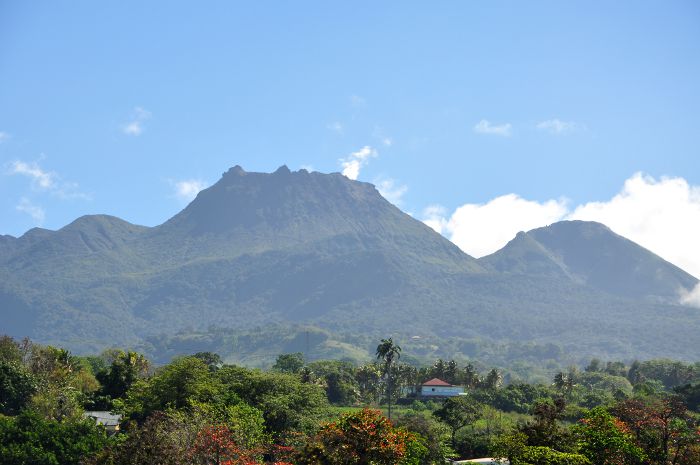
[[260, 253], [591, 254]]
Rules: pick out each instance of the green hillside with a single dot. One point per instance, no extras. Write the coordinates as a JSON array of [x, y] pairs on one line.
[[257, 251]]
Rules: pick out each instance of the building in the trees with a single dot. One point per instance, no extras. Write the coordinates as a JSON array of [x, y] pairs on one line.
[[107, 419], [439, 388]]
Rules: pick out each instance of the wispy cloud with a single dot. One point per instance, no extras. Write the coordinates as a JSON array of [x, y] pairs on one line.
[[47, 181], [355, 161], [336, 127], [557, 126], [40, 179], [692, 297], [36, 212], [188, 189], [379, 134], [486, 127], [4, 136], [435, 217], [357, 101], [135, 125], [391, 190]]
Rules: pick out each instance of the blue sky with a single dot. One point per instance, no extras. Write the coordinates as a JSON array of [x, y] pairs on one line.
[[111, 107]]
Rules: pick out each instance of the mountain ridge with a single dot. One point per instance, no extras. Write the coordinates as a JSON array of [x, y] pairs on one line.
[[258, 249]]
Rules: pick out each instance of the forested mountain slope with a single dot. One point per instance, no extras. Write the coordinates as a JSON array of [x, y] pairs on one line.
[[258, 249]]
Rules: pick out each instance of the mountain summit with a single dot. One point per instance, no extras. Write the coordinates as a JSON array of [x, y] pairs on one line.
[[247, 213], [256, 250], [591, 254]]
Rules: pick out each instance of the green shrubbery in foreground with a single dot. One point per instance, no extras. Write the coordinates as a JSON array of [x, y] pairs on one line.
[[198, 410]]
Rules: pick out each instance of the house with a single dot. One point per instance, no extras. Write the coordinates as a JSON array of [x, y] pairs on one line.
[[107, 419], [439, 388]]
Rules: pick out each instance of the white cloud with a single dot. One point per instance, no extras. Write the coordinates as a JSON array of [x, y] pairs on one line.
[[661, 215], [485, 127], [135, 126], [356, 160], [336, 127], [40, 178], [391, 190], [188, 189], [434, 216], [691, 298], [3, 136], [133, 129], [481, 229], [47, 181], [557, 126], [36, 212]]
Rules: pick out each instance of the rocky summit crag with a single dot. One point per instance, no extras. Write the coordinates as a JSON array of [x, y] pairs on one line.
[[257, 250]]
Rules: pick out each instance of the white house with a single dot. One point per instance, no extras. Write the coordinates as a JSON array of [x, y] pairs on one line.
[[439, 388]]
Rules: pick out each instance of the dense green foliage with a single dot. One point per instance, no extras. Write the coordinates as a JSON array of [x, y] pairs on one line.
[[30, 439], [198, 410]]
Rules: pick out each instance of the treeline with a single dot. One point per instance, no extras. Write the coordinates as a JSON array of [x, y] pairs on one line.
[[199, 410]]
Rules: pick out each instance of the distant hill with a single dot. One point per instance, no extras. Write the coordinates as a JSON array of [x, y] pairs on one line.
[[590, 253], [312, 250]]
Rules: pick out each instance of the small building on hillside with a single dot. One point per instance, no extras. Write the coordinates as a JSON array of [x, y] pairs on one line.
[[109, 420], [439, 388]]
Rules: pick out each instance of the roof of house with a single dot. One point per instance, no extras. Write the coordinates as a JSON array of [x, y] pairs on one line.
[[436, 382], [104, 418]]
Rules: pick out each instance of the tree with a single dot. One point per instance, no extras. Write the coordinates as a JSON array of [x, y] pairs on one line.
[[338, 379], [435, 433], [564, 383], [470, 376], [594, 365], [513, 447], [690, 393], [458, 412], [545, 430], [289, 363], [388, 351], [451, 370], [288, 404], [178, 385], [10, 350], [30, 439], [17, 386], [212, 359], [215, 446], [362, 438], [203, 434], [368, 378], [493, 380], [438, 369], [126, 368], [605, 440], [660, 425]]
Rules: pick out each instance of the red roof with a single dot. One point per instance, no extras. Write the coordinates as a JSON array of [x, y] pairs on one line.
[[436, 382]]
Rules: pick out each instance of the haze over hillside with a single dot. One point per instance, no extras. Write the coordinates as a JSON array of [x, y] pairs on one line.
[[258, 250]]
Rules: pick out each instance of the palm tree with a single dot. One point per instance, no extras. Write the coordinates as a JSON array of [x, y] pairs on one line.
[[387, 351]]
